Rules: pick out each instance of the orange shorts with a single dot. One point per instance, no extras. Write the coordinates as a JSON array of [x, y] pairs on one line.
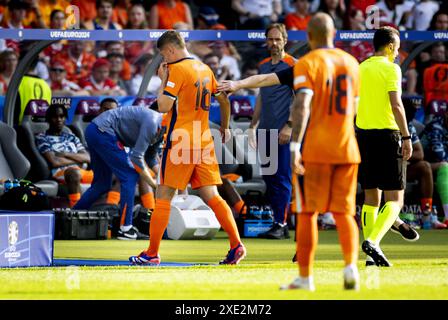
[[198, 167], [330, 187], [86, 175]]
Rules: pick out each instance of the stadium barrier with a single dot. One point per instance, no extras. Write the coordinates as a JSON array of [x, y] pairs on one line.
[[26, 238], [48, 36], [198, 35]]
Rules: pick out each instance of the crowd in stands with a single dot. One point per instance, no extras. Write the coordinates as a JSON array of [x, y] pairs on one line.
[[116, 68], [71, 67]]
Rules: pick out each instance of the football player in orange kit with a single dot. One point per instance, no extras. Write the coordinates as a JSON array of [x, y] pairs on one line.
[[188, 155], [326, 82]]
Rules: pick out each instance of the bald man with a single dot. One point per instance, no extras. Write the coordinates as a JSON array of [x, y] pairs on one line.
[[326, 83]]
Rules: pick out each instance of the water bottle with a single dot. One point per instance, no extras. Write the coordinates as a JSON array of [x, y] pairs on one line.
[[8, 185], [267, 213], [16, 183], [255, 212]]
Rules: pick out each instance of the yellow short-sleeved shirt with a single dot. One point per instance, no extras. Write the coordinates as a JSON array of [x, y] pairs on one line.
[[378, 77]]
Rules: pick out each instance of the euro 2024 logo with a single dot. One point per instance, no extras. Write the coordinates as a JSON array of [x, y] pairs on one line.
[[13, 233]]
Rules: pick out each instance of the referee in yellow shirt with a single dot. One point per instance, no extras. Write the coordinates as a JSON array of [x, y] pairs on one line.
[[384, 142]]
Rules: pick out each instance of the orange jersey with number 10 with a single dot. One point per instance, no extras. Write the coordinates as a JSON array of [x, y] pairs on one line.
[[332, 76], [191, 85]]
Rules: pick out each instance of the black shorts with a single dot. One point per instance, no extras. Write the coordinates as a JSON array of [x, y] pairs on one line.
[[382, 165]]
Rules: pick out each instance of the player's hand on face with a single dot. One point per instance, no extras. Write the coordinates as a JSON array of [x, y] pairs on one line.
[[285, 135], [407, 149], [252, 138], [296, 163], [163, 71]]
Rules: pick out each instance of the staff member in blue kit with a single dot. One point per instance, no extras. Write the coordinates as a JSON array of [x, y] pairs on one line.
[[135, 127], [272, 112]]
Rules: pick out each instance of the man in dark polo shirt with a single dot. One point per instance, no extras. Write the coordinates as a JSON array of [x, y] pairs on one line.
[[272, 112]]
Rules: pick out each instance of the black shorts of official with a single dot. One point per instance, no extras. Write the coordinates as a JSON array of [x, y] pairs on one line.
[[382, 165]]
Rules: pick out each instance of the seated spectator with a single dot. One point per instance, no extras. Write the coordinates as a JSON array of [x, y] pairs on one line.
[[362, 5], [8, 64], [420, 170], [117, 47], [136, 81], [116, 61], [78, 62], [435, 143], [57, 21], [361, 50], [335, 9], [103, 20], [288, 6], [48, 6], [396, 12], [3, 4], [221, 72], [41, 69], [15, 15], [137, 21], [439, 21], [219, 49], [298, 20], [422, 14], [64, 152], [207, 19], [435, 78], [120, 13], [166, 14], [31, 18], [14, 20], [99, 83], [257, 14], [60, 86], [87, 9]]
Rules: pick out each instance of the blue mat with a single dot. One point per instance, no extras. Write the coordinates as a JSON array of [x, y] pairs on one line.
[[93, 263]]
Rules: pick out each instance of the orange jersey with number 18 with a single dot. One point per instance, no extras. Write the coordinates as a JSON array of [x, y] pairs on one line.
[[332, 76], [191, 85]]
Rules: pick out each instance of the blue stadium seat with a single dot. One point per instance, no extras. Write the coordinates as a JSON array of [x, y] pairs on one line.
[[85, 111], [14, 165]]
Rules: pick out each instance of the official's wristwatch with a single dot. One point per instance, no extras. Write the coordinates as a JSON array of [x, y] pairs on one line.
[[406, 138]]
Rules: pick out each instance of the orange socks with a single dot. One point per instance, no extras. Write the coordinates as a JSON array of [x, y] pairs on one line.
[[113, 197], [73, 198], [306, 232], [348, 237], [224, 215], [159, 222], [148, 200], [240, 207]]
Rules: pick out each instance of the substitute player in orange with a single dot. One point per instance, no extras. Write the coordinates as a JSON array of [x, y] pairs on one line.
[[326, 82], [189, 155]]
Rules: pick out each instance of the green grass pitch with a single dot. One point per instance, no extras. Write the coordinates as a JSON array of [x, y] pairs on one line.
[[420, 271]]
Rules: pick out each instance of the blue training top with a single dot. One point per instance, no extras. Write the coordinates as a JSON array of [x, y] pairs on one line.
[[275, 100], [135, 127]]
